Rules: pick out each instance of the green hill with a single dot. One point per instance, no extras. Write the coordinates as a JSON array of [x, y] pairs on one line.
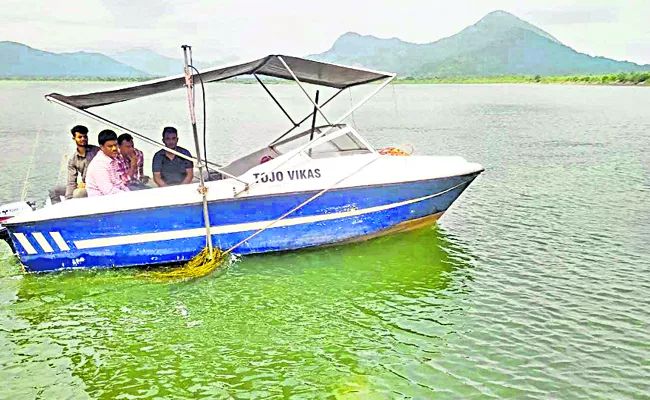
[[499, 44], [21, 60]]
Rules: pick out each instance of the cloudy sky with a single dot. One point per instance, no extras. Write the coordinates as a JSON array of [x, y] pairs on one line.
[[616, 29]]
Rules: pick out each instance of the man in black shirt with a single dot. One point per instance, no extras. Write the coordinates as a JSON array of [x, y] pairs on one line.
[[168, 168]]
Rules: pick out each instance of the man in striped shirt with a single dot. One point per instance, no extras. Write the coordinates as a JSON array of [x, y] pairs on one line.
[[103, 176], [131, 163]]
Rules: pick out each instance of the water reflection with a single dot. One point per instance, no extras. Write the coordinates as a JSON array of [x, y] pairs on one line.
[[340, 320]]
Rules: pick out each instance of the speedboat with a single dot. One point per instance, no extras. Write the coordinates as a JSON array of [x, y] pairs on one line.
[[308, 187]]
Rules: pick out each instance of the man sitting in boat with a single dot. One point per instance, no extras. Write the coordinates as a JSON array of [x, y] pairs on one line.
[[168, 168], [131, 163], [103, 176], [77, 166]]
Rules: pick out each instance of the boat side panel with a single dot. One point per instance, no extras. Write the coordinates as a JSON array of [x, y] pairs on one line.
[[174, 234]]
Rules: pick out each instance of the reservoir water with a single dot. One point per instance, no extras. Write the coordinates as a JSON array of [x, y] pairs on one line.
[[535, 284]]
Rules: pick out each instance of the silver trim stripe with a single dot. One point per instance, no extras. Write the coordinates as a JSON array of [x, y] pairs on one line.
[[42, 242], [58, 239], [22, 239], [243, 227]]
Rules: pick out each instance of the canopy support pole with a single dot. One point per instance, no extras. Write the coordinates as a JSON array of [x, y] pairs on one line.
[[295, 78], [275, 100], [359, 104], [313, 122], [203, 190], [321, 134], [306, 118]]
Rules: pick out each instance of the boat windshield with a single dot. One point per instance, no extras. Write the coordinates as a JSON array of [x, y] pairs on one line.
[[345, 144]]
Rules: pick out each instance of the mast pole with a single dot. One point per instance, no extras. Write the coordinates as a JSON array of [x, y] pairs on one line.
[[187, 54]]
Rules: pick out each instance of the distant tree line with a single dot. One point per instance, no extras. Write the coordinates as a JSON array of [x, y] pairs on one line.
[[76, 78], [622, 78], [238, 80]]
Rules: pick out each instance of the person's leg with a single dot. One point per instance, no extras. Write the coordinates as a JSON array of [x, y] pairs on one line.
[[79, 193], [56, 193]]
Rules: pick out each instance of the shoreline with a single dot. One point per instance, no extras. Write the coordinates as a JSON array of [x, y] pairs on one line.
[[636, 80]]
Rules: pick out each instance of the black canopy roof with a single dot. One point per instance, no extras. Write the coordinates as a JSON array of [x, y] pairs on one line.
[[309, 71]]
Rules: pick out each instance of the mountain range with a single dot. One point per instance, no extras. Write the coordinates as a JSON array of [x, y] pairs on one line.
[[500, 44], [24, 61], [21, 60]]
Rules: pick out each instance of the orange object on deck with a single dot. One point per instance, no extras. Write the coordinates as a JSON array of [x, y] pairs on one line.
[[394, 151]]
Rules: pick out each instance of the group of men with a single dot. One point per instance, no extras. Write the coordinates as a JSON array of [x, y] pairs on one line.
[[117, 166]]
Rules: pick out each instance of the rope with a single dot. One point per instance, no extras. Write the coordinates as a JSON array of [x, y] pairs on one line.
[[395, 102], [205, 146], [205, 263], [200, 265], [23, 195], [298, 207], [62, 168], [354, 123]]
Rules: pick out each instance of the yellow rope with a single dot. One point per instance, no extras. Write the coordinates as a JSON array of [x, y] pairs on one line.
[[199, 266]]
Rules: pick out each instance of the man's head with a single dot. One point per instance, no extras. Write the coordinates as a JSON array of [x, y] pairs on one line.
[[80, 135], [125, 142], [107, 140], [170, 137]]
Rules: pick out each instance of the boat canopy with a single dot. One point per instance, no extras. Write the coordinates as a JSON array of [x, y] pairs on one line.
[[307, 71]]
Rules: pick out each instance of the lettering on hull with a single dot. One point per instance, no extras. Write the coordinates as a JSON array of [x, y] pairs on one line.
[[291, 175]]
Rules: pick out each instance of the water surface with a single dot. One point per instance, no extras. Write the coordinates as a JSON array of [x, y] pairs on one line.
[[535, 284]]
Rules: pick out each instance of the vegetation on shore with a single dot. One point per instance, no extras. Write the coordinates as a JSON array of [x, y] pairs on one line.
[[623, 78]]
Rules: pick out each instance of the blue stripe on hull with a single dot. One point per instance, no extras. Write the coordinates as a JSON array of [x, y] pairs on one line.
[[230, 212]]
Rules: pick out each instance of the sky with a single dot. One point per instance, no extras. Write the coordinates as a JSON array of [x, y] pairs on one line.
[[248, 29]]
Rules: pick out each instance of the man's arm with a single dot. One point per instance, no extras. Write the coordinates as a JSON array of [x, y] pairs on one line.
[[101, 181], [158, 179], [133, 166], [140, 158], [189, 168], [141, 176], [189, 176], [117, 185], [156, 168], [72, 179]]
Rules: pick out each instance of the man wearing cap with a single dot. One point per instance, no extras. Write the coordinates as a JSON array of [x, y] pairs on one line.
[[168, 168]]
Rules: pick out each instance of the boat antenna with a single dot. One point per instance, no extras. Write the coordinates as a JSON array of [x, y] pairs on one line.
[[187, 55]]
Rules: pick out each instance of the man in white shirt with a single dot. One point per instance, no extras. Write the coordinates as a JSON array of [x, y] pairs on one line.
[[103, 176]]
